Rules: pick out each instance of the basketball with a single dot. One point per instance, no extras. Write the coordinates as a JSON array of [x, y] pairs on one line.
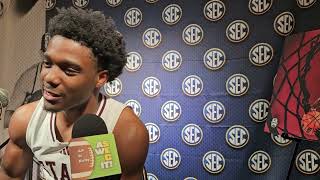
[[81, 159], [311, 122]]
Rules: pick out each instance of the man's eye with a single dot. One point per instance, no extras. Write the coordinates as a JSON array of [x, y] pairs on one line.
[[46, 63], [70, 72]]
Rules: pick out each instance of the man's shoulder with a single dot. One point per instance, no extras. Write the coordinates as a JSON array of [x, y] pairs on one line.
[[20, 119], [128, 120], [131, 132], [24, 112]]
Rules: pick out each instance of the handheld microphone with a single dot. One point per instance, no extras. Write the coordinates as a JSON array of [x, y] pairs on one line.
[[3, 98], [93, 152], [89, 125]]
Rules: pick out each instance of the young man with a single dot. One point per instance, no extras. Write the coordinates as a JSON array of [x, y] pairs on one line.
[[84, 52]]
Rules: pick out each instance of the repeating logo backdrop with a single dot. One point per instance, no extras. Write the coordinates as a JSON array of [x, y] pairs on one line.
[[199, 75]]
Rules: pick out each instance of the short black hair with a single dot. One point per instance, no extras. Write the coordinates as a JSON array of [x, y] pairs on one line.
[[97, 32]]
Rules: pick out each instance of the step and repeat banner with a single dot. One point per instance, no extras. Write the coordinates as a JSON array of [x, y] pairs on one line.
[[199, 75]]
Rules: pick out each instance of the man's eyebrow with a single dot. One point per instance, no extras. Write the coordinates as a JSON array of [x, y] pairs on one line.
[[64, 63]]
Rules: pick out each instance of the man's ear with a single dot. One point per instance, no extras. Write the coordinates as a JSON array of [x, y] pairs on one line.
[[102, 78]]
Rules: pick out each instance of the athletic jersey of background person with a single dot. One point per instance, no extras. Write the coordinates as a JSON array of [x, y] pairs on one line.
[[50, 155]]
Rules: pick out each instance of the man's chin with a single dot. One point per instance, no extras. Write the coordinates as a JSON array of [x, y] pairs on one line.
[[51, 107]]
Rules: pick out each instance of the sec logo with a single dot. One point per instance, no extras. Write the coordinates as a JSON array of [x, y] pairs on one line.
[[135, 105], [151, 86], [237, 31], [171, 60], [192, 134], [154, 132], [274, 79], [172, 14], [170, 158], [214, 111], [259, 162], [259, 7], [134, 62], [50, 4], [214, 10], [261, 54], [46, 37], [190, 178], [152, 1], [192, 34], [237, 136], [113, 88], [279, 140], [307, 161], [213, 162], [192, 85], [151, 38], [171, 111], [151, 176], [113, 3], [274, 122], [133, 17], [214, 58], [284, 23], [305, 3], [258, 110], [237, 85], [80, 3]]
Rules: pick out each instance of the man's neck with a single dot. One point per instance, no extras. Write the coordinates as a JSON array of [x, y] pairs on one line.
[[89, 107]]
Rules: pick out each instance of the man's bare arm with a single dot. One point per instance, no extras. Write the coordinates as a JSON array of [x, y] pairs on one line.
[[17, 157], [15, 162], [132, 143]]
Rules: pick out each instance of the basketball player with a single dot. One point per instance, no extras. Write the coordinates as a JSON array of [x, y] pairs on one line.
[[85, 51]]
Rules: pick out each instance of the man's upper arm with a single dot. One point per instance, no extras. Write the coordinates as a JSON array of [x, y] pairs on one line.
[[17, 156], [16, 160], [132, 143]]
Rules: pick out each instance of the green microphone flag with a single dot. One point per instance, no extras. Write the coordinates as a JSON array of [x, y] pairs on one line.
[[94, 156]]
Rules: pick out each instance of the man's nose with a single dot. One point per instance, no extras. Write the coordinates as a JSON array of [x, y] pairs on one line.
[[52, 77]]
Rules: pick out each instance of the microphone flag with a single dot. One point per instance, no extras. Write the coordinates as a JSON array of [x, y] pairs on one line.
[[94, 156]]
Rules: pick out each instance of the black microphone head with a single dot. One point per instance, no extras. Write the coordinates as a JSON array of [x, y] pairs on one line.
[[89, 125]]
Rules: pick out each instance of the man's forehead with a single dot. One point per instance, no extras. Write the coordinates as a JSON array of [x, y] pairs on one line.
[[59, 42]]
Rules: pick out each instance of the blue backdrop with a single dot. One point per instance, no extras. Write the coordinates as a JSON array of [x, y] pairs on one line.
[[199, 75]]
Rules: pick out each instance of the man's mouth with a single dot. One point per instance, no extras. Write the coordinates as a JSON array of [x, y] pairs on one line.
[[51, 96]]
